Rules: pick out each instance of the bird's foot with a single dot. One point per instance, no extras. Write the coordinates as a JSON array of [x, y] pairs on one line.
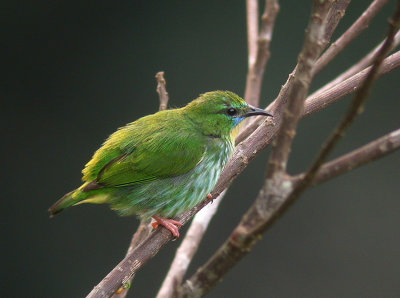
[[210, 197], [170, 224]]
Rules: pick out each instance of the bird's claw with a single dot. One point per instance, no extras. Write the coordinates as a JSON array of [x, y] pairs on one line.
[[210, 197], [169, 224]]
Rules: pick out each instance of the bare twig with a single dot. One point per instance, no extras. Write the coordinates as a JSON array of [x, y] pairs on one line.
[[262, 136], [244, 236], [361, 156], [356, 158], [276, 195], [200, 222], [319, 100], [161, 90], [354, 30], [363, 63], [245, 152], [188, 248], [258, 61], [141, 233], [345, 84], [145, 227], [252, 30], [356, 105], [335, 14], [313, 46]]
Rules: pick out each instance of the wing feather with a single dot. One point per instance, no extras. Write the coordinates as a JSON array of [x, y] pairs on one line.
[[154, 147]]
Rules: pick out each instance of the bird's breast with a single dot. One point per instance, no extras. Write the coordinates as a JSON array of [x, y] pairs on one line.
[[169, 197], [206, 174]]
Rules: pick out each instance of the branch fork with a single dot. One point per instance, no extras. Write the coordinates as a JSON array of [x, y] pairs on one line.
[[279, 189]]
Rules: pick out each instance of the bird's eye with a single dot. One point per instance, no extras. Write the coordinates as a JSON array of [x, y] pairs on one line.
[[231, 111]]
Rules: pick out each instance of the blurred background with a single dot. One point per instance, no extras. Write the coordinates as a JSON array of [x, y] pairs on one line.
[[77, 70]]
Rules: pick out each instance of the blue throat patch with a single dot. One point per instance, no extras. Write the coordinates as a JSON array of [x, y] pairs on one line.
[[237, 120]]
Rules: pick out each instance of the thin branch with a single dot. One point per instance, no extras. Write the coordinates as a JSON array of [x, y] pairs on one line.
[[188, 248], [141, 233], [335, 14], [200, 222], [365, 154], [162, 91], [319, 100], [351, 77], [243, 155], [145, 228], [356, 106], [372, 151], [252, 30], [263, 134], [278, 192], [362, 64], [312, 48], [351, 33], [258, 61], [258, 55], [243, 237]]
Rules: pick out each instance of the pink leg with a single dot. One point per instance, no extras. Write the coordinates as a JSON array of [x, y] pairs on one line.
[[169, 224], [210, 197]]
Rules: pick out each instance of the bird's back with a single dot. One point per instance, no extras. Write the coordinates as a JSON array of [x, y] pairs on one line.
[[156, 146]]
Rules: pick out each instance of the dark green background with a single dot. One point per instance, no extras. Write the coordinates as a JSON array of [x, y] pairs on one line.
[[77, 70]]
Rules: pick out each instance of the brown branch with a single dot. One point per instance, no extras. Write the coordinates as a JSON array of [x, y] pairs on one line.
[[233, 249], [141, 233], [319, 100], [351, 33], [362, 64], [188, 248], [252, 30], [245, 152], [198, 227], [258, 45], [243, 237], [278, 192], [162, 91], [312, 48], [356, 106], [258, 61], [372, 151], [145, 228], [322, 97], [263, 135], [335, 14]]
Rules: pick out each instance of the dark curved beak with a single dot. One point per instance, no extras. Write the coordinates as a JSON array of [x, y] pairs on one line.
[[256, 112]]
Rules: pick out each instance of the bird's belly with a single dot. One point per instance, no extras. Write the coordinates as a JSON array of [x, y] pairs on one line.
[[170, 197]]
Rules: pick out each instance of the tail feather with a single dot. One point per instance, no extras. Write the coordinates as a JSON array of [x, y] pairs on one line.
[[65, 202], [79, 196]]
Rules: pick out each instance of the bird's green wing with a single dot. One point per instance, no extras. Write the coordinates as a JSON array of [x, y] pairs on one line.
[[145, 151], [146, 163]]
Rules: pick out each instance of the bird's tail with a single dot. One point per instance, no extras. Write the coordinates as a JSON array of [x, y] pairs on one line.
[[66, 201], [79, 196]]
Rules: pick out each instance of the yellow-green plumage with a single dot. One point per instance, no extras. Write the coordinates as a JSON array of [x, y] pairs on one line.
[[165, 163]]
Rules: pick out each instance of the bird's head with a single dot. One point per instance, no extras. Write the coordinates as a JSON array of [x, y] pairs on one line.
[[218, 113]]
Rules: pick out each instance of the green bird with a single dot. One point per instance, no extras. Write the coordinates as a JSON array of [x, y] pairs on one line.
[[165, 163]]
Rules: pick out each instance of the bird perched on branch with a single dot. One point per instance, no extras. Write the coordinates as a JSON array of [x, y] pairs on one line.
[[165, 163]]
